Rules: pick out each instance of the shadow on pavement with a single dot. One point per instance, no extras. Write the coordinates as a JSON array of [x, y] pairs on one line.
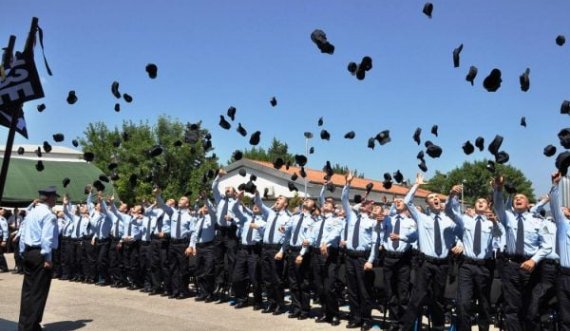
[[8, 325], [65, 325]]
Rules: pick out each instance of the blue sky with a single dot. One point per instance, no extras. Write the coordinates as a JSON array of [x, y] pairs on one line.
[[212, 55]]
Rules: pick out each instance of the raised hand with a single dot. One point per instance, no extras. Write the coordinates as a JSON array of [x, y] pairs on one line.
[[556, 177]]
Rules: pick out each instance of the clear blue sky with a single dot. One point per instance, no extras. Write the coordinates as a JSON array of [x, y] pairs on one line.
[[212, 55]]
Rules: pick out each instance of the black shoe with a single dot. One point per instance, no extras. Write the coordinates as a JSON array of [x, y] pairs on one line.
[[294, 315], [365, 326], [323, 319], [183, 296], [279, 310], [200, 298], [165, 294], [268, 309], [173, 295], [335, 321], [257, 306], [154, 292], [303, 316], [209, 298], [353, 325], [145, 290], [240, 304]]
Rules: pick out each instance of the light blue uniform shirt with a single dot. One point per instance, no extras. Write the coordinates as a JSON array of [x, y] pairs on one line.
[[562, 227], [332, 229], [224, 205], [304, 231], [534, 244], [40, 229], [186, 220], [447, 228], [147, 227], [117, 222], [490, 231], [550, 239], [408, 233], [3, 229], [101, 223], [81, 226], [367, 231], [206, 222], [157, 216], [245, 217], [271, 217], [134, 224]]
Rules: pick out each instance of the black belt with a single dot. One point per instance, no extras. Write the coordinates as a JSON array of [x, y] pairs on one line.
[[114, 238], [434, 260], [295, 249], [352, 253], [179, 241], [516, 258], [565, 271], [88, 237], [31, 248], [156, 237], [272, 246], [202, 245], [145, 243], [480, 262], [551, 262], [396, 255], [104, 240]]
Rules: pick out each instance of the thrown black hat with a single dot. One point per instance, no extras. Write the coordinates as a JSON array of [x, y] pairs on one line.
[[308, 134], [88, 156], [468, 148], [350, 135], [480, 143], [352, 67], [565, 107], [255, 137], [115, 176], [434, 151], [250, 187], [294, 176], [152, 70], [434, 130], [237, 155], [357, 198], [224, 124], [331, 187], [278, 163], [428, 9], [40, 165], [320, 39], [491, 166], [58, 137], [211, 173], [127, 98], [387, 184], [422, 165], [564, 136], [155, 151], [383, 137], [241, 130], [471, 74], [21, 150], [563, 162], [387, 176], [104, 178], [273, 102], [66, 181], [112, 166], [232, 112], [493, 81], [420, 155], [416, 135], [99, 186], [502, 157], [398, 177], [495, 145], [523, 121], [456, 53], [364, 66], [371, 143], [510, 188], [525, 80], [242, 172], [328, 169], [302, 172], [320, 121], [549, 150], [292, 186], [117, 107], [560, 40], [369, 187], [177, 143], [39, 152], [71, 97], [311, 150], [47, 147], [41, 107], [75, 143], [253, 177], [325, 135], [207, 145], [115, 89], [133, 178]]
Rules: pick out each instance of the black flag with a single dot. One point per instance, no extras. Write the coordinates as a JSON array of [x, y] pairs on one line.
[[6, 119]]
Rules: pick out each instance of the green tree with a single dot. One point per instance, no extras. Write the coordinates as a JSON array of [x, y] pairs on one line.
[[476, 178], [276, 150], [181, 168], [341, 170]]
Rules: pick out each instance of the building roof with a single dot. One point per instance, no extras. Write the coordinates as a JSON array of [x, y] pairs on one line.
[[317, 177]]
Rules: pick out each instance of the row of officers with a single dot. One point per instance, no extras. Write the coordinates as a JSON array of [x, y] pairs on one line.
[[229, 249]]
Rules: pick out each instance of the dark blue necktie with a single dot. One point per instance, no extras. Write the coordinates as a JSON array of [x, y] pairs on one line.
[[78, 230], [117, 227], [396, 243], [437, 235], [298, 228], [320, 236], [273, 225], [224, 210], [520, 236], [356, 233], [178, 224], [249, 236], [130, 227], [477, 236], [199, 234]]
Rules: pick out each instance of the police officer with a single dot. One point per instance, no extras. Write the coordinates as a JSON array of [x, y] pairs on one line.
[[160, 239], [202, 246], [38, 240], [399, 231], [66, 243], [101, 241], [436, 234], [477, 267], [4, 234], [525, 249], [80, 230], [118, 219], [131, 241]]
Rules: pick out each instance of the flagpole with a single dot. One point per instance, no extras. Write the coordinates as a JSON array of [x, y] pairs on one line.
[[8, 151]]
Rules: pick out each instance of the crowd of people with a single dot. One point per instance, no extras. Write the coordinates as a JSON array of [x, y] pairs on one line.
[[223, 249]]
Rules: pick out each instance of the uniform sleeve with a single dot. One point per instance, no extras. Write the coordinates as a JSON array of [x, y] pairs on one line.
[[499, 206], [452, 210], [409, 201], [216, 190], [374, 247], [4, 226], [49, 236], [545, 247]]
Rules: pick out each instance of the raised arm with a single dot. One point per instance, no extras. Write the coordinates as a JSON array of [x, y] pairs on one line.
[[540, 205], [265, 211], [452, 207], [89, 201], [160, 202], [216, 186], [409, 198], [498, 200], [555, 206], [322, 194]]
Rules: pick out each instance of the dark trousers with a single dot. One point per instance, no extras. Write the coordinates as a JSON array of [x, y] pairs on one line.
[[17, 256], [145, 255], [563, 294], [101, 252], [397, 285], [67, 258], [206, 268], [89, 260], [360, 286], [131, 263], [248, 266], [116, 269], [159, 269], [78, 257], [179, 267], [428, 289], [35, 289], [517, 290], [272, 274], [325, 275], [474, 283], [226, 243], [56, 258], [3, 263], [543, 291], [299, 282]]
